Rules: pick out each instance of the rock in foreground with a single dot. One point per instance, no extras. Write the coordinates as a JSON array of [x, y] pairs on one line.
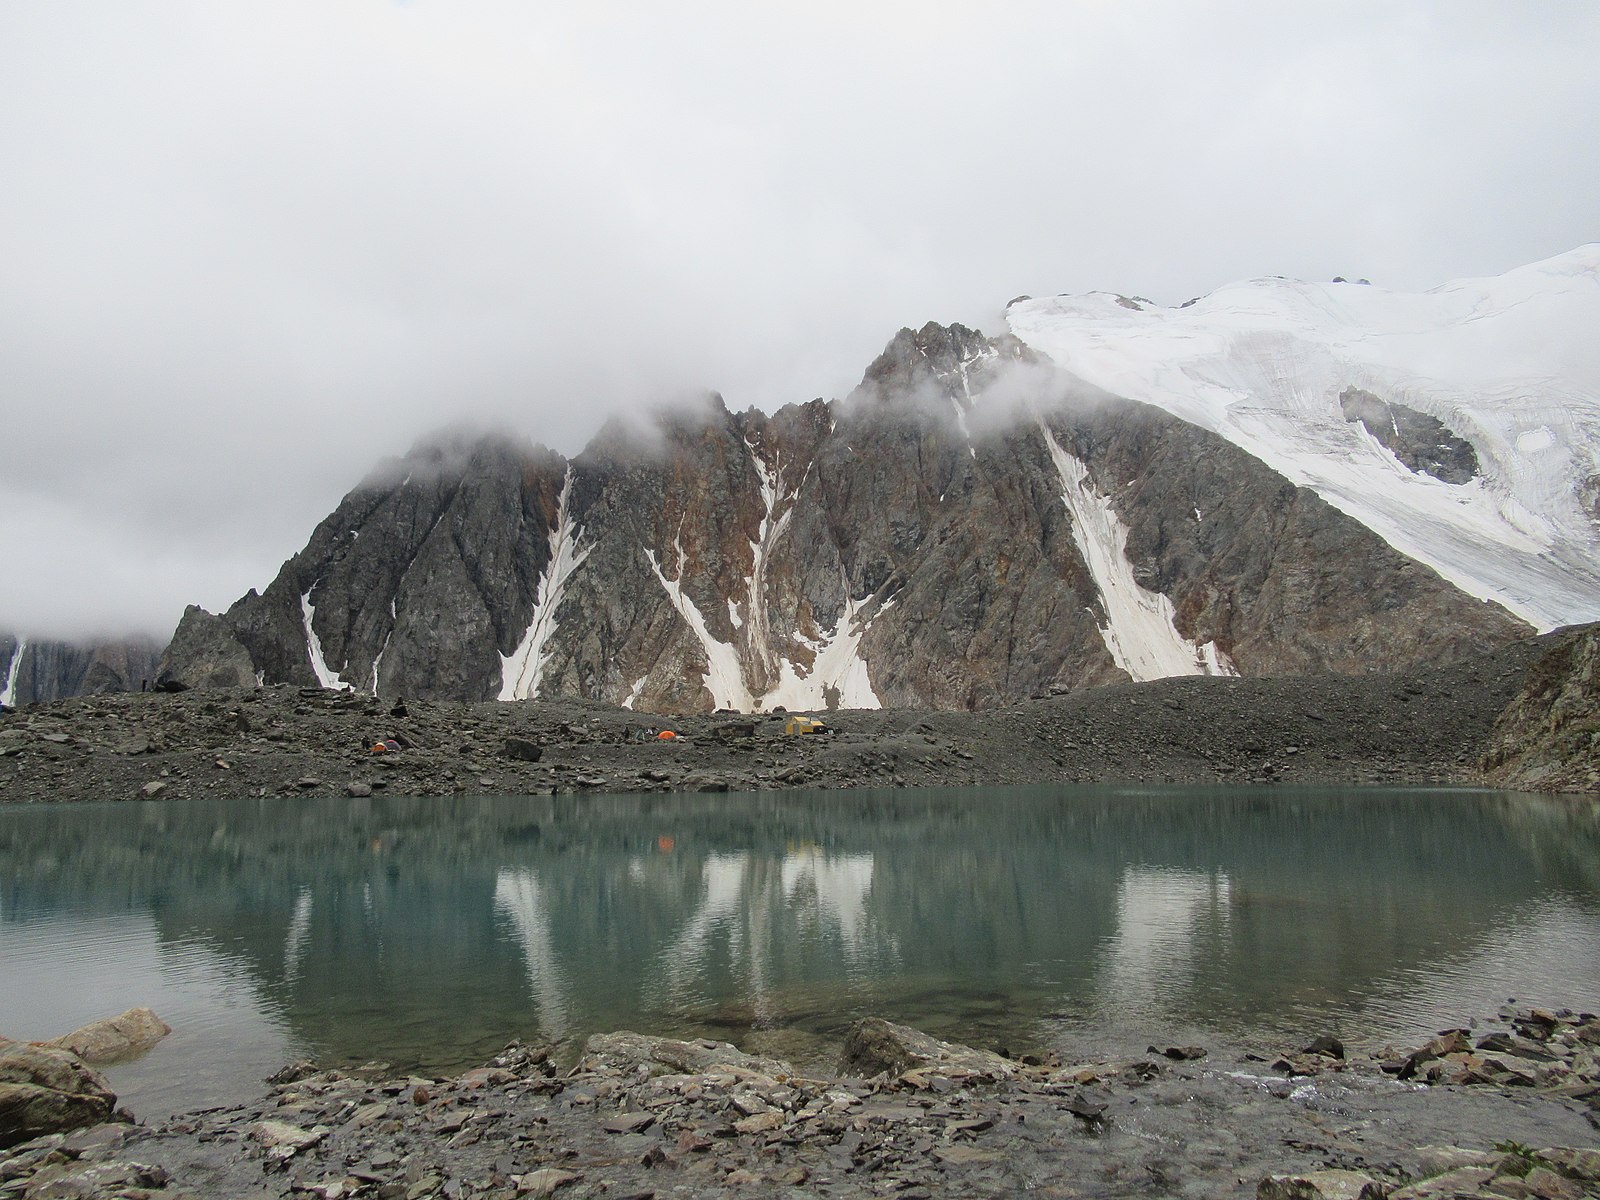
[[118, 1037], [645, 1116], [46, 1090]]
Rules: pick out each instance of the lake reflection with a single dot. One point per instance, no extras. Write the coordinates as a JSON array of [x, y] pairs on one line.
[[429, 932]]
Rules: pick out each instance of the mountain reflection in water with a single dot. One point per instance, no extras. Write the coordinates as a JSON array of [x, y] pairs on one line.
[[427, 933]]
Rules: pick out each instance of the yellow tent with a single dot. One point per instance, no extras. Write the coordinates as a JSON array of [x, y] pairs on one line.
[[803, 725]]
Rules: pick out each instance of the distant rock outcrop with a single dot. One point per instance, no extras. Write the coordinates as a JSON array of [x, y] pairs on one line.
[[968, 528], [1548, 738], [33, 670], [1422, 442], [204, 653]]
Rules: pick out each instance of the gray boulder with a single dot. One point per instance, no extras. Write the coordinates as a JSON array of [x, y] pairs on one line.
[[113, 1038], [46, 1090], [878, 1047]]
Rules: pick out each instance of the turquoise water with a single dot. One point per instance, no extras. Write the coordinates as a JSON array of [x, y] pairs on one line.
[[429, 932]]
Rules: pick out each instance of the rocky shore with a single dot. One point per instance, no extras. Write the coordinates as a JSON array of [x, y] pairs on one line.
[[1505, 1109], [1428, 726]]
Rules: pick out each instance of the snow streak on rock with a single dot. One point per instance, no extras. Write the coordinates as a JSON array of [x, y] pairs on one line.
[[377, 660], [754, 676], [319, 666], [837, 673], [522, 670], [1511, 364], [757, 629], [1139, 628], [724, 677], [962, 372], [8, 694]]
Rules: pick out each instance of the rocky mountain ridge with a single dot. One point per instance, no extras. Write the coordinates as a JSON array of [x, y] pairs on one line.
[[36, 670], [969, 527]]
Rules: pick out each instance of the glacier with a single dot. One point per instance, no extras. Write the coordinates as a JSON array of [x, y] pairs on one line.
[[1510, 363]]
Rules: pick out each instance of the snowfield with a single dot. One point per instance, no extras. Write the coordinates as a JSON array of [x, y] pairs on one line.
[[1511, 363]]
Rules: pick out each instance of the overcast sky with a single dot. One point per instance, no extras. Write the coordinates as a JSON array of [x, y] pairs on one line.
[[248, 249]]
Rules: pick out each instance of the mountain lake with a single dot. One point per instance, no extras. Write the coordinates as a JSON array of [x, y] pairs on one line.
[[427, 933]]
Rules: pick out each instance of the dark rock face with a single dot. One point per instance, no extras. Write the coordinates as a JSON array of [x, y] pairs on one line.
[[1423, 443], [205, 653], [416, 579], [33, 671], [1548, 738], [925, 542]]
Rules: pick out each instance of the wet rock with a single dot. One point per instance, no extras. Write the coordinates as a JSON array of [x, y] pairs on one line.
[[283, 1140], [113, 1038], [28, 1111], [543, 1183], [959, 1155], [357, 790], [1464, 1181], [760, 1123], [620, 1053], [875, 1046], [1438, 1160], [1582, 1164], [1451, 1041], [704, 781], [1085, 1108], [294, 1072], [97, 1181], [1321, 1185], [632, 1122], [1327, 1046]]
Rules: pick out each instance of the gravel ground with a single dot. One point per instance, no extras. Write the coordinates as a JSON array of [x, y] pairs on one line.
[[650, 1117], [1428, 726]]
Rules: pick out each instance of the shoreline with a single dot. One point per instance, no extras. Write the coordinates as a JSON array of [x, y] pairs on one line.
[[1429, 726], [903, 1115]]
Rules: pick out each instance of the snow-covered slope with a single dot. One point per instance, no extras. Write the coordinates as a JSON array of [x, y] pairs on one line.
[[1511, 364]]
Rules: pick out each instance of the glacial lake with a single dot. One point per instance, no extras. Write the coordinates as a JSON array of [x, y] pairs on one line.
[[429, 932]]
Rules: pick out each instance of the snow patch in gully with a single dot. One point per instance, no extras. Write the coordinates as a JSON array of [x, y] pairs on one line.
[[319, 665], [1140, 627], [522, 671], [8, 694]]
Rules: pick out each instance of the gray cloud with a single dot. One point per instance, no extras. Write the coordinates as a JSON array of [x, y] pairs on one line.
[[249, 250]]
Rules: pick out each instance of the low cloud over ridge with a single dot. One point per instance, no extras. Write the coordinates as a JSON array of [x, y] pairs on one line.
[[249, 252]]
